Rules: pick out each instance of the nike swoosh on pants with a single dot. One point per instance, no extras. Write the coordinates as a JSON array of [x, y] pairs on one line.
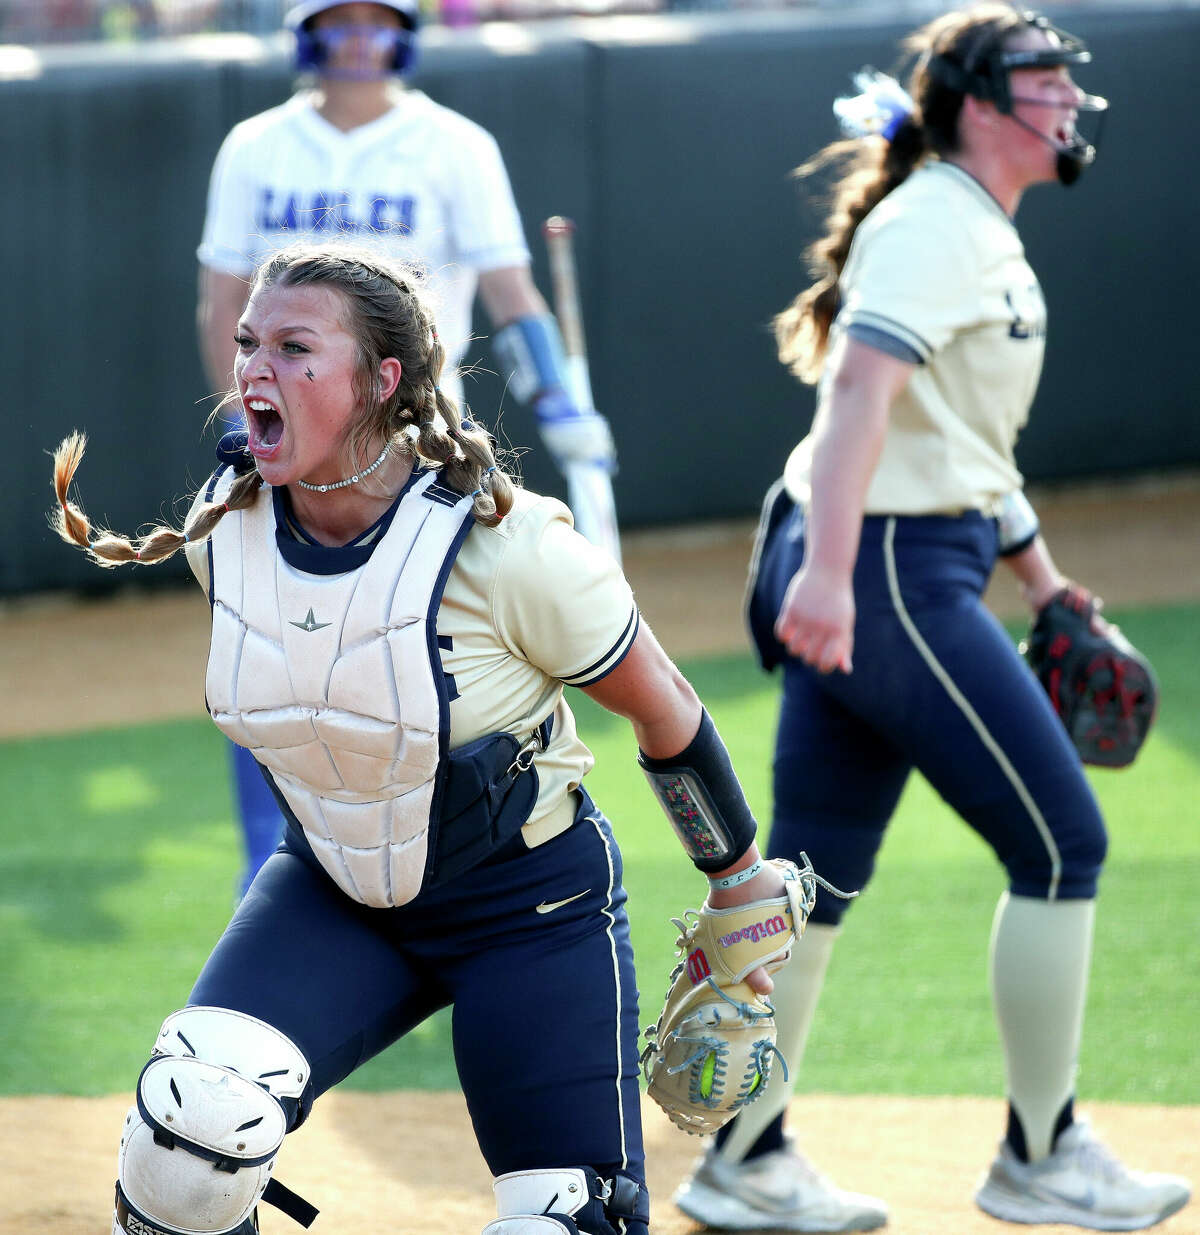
[[551, 906]]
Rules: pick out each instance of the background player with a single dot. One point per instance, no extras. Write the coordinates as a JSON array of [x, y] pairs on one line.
[[926, 332], [360, 157], [393, 623]]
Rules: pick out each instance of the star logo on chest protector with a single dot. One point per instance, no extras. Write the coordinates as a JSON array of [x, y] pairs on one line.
[[310, 623]]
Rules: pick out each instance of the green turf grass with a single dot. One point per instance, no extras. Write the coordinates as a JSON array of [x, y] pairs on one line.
[[118, 861]]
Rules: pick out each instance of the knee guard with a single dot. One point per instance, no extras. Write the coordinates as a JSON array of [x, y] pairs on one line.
[[198, 1147], [570, 1200]]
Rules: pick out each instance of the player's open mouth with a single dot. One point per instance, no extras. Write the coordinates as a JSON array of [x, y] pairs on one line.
[[265, 426]]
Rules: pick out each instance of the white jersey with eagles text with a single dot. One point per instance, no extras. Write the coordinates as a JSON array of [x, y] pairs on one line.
[[938, 266], [422, 182]]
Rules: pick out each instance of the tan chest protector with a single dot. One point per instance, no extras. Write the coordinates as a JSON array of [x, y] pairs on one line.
[[334, 682]]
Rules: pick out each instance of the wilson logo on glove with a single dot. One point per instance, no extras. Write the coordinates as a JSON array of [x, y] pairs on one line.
[[711, 1051], [697, 967], [755, 932]]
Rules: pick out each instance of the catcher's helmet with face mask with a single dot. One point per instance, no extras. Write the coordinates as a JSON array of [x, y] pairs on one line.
[[314, 47], [984, 74]]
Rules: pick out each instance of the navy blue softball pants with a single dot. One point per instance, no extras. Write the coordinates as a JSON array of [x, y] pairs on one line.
[[545, 1019], [937, 685]]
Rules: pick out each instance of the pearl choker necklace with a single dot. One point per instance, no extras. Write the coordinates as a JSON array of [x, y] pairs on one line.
[[350, 480]]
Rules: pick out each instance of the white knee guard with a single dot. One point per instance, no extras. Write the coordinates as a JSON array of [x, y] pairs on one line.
[[198, 1147], [531, 1224], [574, 1200]]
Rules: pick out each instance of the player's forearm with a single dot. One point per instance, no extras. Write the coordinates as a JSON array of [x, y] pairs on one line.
[[509, 293], [1036, 573], [849, 439], [218, 307], [215, 330]]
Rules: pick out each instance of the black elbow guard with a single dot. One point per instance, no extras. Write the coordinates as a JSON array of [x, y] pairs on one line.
[[700, 793]]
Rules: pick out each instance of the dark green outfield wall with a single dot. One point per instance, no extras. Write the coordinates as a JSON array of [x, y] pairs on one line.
[[670, 141]]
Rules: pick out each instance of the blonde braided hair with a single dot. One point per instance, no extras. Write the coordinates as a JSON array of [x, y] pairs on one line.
[[108, 548], [389, 319]]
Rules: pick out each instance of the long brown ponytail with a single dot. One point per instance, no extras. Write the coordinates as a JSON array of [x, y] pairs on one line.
[[872, 167]]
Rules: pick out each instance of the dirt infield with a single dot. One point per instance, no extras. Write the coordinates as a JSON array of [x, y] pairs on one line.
[[406, 1162]]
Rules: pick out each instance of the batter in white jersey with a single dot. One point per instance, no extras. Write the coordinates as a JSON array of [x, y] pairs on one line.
[[422, 182]]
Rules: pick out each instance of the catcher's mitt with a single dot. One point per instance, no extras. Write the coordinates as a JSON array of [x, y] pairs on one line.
[[1100, 685], [711, 1051]]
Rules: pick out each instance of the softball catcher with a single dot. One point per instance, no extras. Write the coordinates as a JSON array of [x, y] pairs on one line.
[[393, 623]]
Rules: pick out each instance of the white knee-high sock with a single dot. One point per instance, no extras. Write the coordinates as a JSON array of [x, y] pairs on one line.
[[1040, 956], [797, 988]]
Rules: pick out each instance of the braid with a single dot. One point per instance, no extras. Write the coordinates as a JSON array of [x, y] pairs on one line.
[[68, 520], [433, 442], [107, 548], [872, 170], [476, 470], [463, 449]]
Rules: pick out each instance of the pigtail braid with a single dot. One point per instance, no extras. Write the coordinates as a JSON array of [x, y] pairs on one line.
[[474, 469], [107, 548], [243, 493], [69, 520], [462, 448], [433, 441]]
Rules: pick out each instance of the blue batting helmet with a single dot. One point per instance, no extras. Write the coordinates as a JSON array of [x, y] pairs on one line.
[[312, 49]]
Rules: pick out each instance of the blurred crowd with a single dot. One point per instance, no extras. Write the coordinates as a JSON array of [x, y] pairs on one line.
[[64, 21], [67, 21]]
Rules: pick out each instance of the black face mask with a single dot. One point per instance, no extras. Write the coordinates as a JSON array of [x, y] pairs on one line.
[[986, 77]]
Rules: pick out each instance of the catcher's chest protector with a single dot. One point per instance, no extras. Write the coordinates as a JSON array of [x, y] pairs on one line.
[[335, 683]]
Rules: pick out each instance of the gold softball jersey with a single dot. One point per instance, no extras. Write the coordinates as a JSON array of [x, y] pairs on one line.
[[530, 605], [938, 267]]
